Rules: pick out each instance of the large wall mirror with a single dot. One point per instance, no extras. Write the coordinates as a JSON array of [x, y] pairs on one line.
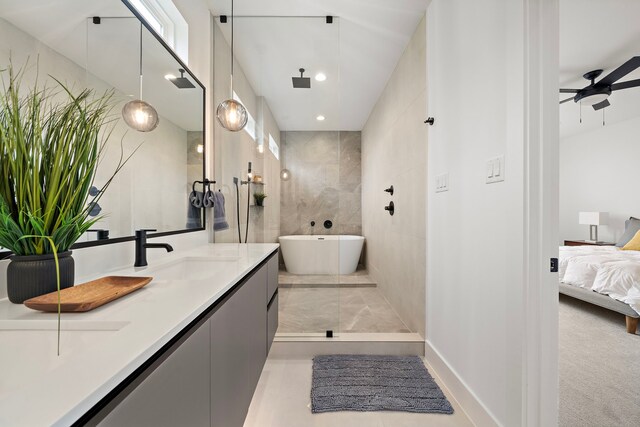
[[62, 40]]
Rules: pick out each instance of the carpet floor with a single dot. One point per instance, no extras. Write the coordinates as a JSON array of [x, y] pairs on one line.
[[599, 367], [375, 383]]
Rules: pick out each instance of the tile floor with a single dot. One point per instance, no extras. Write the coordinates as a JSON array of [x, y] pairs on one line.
[[282, 399], [350, 309]]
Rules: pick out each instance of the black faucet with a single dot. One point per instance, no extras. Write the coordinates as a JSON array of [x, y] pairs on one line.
[[142, 245]]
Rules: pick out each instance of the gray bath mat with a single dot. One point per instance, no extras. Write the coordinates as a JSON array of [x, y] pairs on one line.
[[375, 383]]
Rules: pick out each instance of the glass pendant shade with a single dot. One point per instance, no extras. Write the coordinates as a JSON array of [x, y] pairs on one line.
[[232, 115], [140, 116], [285, 174]]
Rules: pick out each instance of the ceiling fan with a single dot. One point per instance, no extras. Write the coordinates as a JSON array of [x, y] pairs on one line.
[[596, 94]]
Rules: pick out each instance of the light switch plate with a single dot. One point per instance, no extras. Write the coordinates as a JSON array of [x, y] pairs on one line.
[[495, 170], [442, 182]]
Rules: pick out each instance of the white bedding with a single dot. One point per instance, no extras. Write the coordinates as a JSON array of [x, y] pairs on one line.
[[605, 269]]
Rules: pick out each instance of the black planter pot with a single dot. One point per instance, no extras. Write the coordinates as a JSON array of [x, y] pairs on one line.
[[34, 275]]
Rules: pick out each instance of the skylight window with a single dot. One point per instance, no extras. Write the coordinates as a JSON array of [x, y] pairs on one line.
[[153, 18], [165, 19]]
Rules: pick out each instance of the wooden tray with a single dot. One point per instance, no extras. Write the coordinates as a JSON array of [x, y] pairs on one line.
[[90, 295]]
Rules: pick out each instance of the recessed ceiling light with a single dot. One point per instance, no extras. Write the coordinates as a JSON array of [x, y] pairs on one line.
[[320, 118], [321, 77], [170, 77]]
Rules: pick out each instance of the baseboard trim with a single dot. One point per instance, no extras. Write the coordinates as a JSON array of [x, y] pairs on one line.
[[471, 405]]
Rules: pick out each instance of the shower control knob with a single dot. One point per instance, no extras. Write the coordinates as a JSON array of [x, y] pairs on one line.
[[390, 208], [389, 190]]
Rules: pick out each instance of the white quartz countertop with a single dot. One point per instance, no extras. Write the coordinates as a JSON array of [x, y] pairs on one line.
[[101, 348]]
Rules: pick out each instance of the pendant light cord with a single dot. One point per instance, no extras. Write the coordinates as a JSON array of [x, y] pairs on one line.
[[140, 61], [231, 49]]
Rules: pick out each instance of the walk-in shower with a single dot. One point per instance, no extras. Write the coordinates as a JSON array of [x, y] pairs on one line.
[[308, 169]]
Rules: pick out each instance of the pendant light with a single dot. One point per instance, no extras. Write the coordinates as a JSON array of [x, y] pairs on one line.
[[231, 114], [138, 114], [285, 174]]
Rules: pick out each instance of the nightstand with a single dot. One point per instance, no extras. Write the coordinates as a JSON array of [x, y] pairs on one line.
[[585, 243]]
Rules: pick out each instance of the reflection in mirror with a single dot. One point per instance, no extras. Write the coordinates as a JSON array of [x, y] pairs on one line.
[[62, 40]]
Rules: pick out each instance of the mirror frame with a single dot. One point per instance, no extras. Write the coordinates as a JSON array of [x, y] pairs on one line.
[[80, 245]]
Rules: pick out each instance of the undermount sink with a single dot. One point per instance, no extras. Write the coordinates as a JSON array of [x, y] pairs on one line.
[[65, 325], [190, 268]]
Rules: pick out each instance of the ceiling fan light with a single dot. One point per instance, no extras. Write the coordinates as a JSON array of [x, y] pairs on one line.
[[594, 99]]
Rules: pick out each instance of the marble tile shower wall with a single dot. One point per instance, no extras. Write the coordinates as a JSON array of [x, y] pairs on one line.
[[325, 182]]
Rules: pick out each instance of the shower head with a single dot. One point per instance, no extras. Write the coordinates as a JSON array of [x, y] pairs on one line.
[[301, 82], [182, 82]]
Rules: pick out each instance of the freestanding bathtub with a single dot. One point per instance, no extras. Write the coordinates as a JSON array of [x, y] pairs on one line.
[[321, 254]]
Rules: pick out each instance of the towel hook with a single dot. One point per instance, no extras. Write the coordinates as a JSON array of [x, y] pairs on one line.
[[205, 184]]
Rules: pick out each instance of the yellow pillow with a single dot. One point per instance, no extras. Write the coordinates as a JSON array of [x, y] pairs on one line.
[[633, 244]]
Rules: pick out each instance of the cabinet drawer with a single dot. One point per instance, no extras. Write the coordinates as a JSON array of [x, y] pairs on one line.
[[272, 281], [272, 321]]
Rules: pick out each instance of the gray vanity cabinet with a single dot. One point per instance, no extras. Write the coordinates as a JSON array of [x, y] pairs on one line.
[[175, 393], [238, 351], [272, 280], [207, 376], [272, 300]]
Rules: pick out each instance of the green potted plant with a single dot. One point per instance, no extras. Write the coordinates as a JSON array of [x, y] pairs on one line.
[[50, 147], [259, 198]]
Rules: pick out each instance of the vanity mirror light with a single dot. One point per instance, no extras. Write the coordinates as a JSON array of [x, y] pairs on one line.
[[97, 44]]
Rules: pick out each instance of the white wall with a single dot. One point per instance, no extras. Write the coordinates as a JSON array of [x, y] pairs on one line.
[[394, 152], [599, 172], [476, 245]]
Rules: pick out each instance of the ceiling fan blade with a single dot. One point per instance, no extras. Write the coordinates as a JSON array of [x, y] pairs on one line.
[[566, 100], [625, 85], [569, 90], [620, 72], [601, 105]]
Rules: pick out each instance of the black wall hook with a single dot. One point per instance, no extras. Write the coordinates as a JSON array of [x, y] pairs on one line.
[[205, 184], [389, 190], [430, 121]]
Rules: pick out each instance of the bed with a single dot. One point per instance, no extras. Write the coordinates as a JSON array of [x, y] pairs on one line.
[[605, 276]]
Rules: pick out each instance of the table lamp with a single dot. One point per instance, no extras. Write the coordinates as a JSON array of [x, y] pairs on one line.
[[593, 220]]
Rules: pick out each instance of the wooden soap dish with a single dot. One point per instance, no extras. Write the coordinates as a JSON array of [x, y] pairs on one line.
[[90, 295]]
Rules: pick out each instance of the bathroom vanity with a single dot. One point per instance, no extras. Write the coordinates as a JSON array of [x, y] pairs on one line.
[[188, 349]]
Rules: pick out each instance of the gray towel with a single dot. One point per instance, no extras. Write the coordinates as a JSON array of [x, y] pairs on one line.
[[194, 218], [196, 199], [219, 220], [208, 201]]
